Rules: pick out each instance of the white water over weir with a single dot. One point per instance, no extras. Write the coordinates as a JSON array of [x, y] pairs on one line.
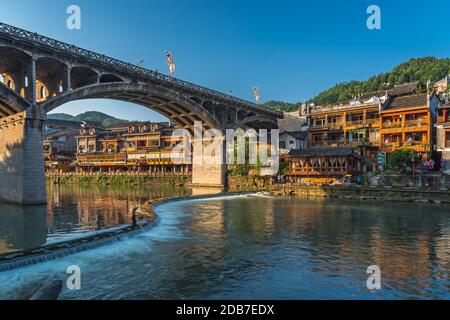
[[23, 259], [17, 260]]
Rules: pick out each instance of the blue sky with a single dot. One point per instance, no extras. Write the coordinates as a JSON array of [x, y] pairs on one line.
[[291, 50]]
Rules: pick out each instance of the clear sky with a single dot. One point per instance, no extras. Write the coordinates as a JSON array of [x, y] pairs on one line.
[[291, 50]]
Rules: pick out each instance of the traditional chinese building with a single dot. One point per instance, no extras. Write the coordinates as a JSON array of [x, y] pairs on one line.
[[138, 147], [356, 125], [60, 145], [323, 165], [293, 140], [443, 136], [407, 121]]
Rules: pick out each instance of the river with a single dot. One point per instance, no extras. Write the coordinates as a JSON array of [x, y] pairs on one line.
[[239, 247]]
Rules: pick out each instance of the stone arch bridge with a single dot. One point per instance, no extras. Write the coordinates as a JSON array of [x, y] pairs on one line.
[[38, 74]]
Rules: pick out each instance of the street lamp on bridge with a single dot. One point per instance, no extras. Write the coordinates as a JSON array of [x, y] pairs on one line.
[[170, 62]]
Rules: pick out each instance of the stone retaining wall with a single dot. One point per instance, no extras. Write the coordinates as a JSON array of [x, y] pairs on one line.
[[429, 181], [245, 184], [364, 193]]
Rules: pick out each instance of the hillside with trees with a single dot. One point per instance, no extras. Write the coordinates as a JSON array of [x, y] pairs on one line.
[[93, 116], [280, 105], [420, 69]]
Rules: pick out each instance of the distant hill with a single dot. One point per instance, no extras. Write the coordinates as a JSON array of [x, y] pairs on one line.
[[61, 116], [94, 116]]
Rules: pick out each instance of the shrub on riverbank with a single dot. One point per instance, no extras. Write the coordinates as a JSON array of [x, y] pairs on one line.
[[102, 179]]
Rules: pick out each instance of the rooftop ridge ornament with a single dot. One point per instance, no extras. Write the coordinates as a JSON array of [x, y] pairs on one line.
[[146, 74]]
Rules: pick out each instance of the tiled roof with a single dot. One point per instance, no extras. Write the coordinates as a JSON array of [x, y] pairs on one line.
[[411, 101], [404, 89], [298, 135], [370, 95], [318, 152]]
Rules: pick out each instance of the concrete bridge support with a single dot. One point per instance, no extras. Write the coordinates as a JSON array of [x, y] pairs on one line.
[[209, 166], [22, 176], [206, 175]]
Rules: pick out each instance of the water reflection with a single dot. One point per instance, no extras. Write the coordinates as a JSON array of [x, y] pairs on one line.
[[249, 247], [73, 210], [22, 227], [292, 248]]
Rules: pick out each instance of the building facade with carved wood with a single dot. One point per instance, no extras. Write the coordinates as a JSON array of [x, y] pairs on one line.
[[139, 147]]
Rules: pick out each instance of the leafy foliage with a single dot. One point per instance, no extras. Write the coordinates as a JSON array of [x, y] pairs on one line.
[[420, 69], [284, 168], [244, 170], [93, 116], [402, 160], [281, 106], [61, 116]]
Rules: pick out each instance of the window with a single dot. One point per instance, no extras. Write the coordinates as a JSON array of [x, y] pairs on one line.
[[317, 139], [43, 92]]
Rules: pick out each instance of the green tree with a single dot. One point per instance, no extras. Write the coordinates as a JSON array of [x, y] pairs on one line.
[[402, 160], [284, 168]]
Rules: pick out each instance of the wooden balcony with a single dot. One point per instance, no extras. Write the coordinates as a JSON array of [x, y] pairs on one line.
[[374, 121], [441, 119], [356, 123], [417, 123], [419, 146], [330, 171], [98, 158], [392, 125], [319, 144]]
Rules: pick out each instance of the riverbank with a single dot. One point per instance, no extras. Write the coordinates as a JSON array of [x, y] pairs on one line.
[[117, 179], [363, 193], [432, 189]]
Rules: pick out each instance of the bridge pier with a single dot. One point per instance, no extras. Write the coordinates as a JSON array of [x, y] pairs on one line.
[[209, 166], [206, 175], [22, 176]]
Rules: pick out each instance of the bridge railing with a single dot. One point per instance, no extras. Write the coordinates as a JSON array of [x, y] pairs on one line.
[[119, 64]]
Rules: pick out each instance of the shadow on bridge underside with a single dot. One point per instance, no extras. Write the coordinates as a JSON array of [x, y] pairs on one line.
[[176, 107], [10, 102]]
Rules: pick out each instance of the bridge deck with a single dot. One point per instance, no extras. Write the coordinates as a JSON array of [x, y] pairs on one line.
[[34, 39]]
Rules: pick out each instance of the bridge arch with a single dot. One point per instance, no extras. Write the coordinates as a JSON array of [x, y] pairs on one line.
[[14, 64], [182, 110], [257, 122], [83, 76], [50, 75], [108, 78]]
